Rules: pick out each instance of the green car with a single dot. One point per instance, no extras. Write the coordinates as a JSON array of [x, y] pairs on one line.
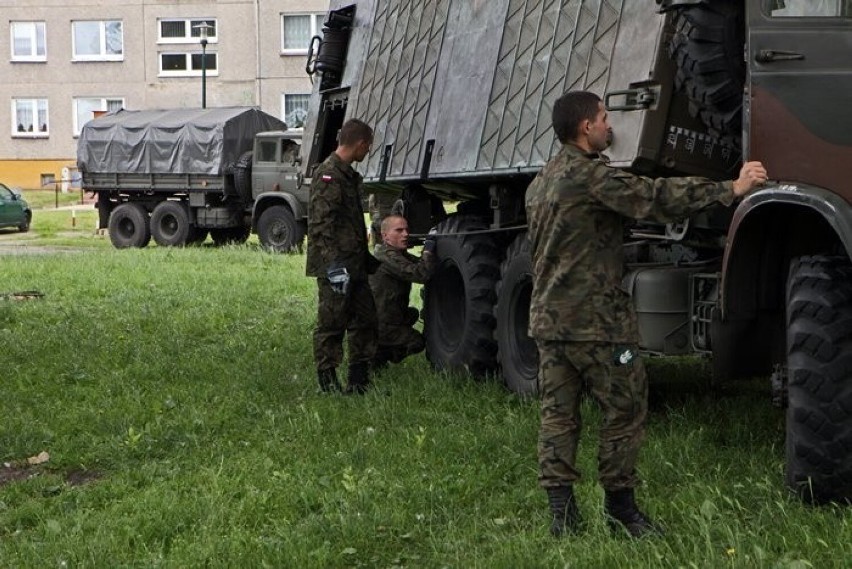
[[14, 210]]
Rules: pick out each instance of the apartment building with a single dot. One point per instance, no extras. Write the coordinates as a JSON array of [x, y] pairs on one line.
[[71, 58]]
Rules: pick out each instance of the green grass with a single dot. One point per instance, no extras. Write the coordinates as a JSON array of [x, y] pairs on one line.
[[182, 381]]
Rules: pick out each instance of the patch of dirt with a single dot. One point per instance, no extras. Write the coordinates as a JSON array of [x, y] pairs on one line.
[[80, 477], [10, 473]]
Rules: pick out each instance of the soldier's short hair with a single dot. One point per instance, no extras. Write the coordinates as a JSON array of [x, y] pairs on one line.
[[570, 110], [354, 131], [386, 221]]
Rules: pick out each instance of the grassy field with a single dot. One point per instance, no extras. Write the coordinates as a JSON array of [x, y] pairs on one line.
[[174, 393]]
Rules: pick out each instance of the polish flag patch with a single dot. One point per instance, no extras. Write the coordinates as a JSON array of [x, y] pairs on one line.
[[326, 178]]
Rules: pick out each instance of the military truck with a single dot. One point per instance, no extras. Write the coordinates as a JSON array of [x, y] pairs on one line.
[[178, 175], [460, 96]]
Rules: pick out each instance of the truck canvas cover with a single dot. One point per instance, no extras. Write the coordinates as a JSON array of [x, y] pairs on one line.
[[178, 141]]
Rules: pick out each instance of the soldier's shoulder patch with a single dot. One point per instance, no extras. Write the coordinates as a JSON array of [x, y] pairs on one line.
[[326, 178]]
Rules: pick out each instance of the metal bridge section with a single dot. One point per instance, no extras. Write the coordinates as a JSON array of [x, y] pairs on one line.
[[476, 77], [399, 77], [548, 47]]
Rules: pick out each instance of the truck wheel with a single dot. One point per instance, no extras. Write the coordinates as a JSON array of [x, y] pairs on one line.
[[196, 236], [230, 236], [819, 367], [128, 226], [707, 48], [278, 230], [516, 351], [242, 175], [459, 300], [170, 224]]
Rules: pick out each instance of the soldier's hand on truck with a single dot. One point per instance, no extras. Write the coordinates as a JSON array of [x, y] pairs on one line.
[[431, 241], [752, 175]]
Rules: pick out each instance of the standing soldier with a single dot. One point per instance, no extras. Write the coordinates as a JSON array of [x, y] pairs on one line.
[[339, 259], [582, 321], [391, 286]]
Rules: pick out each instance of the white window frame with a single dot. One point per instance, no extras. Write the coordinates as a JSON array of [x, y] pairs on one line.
[[284, 108], [103, 56], [35, 26], [35, 133], [104, 106], [188, 72], [188, 38], [316, 27]]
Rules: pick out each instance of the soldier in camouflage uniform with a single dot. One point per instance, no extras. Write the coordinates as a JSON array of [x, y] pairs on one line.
[[339, 259], [391, 286], [583, 322]]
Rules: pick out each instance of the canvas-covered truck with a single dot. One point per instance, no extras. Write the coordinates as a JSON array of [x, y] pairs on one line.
[[178, 175], [460, 95]]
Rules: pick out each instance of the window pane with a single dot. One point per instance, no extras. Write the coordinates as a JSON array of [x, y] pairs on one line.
[[24, 115], [87, 38], [113, 38], [807, 8], [40, 43], [114, 105], [173, 29], [210, 61], [196, 32], [42, 115], [296, 110], [266, 151], [296, 31], [173, 61], [86, 110]]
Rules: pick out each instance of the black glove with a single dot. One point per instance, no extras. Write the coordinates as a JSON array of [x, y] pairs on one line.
[[338, 277]]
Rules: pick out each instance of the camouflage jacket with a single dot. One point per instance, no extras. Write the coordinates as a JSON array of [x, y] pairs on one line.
[[336, 228], [391, 284], [577, 210]]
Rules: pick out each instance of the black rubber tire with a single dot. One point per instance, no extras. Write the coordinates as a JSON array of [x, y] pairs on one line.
[[230, 236], [279, 231], [517, 354], [25, 226], [707, 48], [819, 367], [170, 224], [128, 226], [459, 300], [196, 236], [242, 176]]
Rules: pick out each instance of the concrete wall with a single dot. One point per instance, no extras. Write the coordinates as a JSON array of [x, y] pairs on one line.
[[252, 70]]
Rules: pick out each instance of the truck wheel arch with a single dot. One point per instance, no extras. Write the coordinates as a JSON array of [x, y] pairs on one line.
[[769, 229]]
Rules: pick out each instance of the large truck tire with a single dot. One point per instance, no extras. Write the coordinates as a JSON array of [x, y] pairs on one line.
[[170, 224], [819, 367], [242, 175], [128, 226], [459, 300], [279, 231], [707, 48], [230, 235], [516, 351]]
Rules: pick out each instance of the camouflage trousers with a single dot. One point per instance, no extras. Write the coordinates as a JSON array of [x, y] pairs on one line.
[[352, 315], [407, 342], [566, 371]]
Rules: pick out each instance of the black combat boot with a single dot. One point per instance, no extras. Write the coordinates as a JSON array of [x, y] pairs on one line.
[[327, 379], [563, 507], [359, 379], [622, 513]]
